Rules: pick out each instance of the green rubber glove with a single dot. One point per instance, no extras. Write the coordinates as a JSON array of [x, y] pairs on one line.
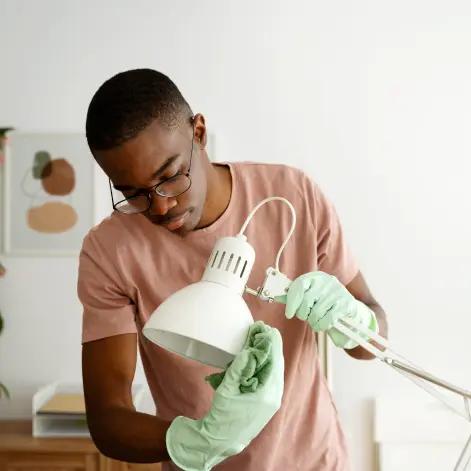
[[248, 394], [321, 300]]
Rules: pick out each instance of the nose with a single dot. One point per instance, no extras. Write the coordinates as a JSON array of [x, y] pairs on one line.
[[160, 205]]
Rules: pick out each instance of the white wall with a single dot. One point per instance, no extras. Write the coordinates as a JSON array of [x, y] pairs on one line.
[[371, 97]]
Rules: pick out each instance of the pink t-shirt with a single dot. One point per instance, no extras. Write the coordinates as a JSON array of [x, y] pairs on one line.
[[128, 266]]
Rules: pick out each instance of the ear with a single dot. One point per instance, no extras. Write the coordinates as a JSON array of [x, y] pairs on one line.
[[199, 126]]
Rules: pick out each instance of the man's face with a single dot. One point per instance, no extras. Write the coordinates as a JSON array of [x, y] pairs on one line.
[[154, 155]]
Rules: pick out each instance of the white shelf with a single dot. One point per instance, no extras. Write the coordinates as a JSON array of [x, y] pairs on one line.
[[65, 425]]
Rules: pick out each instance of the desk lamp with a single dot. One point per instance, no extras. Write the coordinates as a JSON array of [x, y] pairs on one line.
[[208, 320]]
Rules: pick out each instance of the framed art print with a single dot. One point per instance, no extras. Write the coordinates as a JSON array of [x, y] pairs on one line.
[[48, 193]]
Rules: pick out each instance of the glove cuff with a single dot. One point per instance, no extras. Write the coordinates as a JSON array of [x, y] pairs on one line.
[[362, 315], [179, 428], [202, 455], [365, 316]]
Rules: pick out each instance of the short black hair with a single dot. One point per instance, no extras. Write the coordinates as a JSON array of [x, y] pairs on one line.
[[128, 102]]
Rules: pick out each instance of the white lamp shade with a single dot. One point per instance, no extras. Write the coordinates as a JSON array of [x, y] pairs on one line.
[[208, 321], [204, 321]]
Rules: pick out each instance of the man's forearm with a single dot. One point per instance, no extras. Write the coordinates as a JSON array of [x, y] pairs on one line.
[[126, 435], [359, 352]]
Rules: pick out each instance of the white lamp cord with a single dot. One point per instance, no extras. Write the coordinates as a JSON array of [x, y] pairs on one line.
[[293, 223]]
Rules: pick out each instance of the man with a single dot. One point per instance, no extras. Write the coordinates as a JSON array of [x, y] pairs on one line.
[[175, 204]]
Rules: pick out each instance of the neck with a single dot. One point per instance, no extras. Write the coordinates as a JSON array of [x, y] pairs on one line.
[[218, 194]]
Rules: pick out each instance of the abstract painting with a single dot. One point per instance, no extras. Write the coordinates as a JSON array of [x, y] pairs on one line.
[[49, 193]]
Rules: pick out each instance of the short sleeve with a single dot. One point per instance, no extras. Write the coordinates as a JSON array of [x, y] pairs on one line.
[[107, 311], [333, 253]]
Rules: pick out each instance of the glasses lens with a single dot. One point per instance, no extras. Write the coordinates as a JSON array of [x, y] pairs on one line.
[[137, 204], [174, 186]]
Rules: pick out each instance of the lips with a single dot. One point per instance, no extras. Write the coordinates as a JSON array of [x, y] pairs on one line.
[[175, 222]]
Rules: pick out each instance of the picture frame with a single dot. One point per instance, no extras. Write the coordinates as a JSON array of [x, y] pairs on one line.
[[48, 193], [3, 140]]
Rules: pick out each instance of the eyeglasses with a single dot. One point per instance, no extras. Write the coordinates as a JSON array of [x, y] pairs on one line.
[[169, 188]]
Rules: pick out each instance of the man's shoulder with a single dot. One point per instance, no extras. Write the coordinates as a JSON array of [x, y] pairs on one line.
[[281, 179], [109, 223], [271, 170], [107, 232]]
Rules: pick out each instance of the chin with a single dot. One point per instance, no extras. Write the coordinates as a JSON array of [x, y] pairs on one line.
[[189, 225]]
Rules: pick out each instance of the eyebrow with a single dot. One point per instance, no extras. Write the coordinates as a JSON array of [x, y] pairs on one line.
[[158, 172]]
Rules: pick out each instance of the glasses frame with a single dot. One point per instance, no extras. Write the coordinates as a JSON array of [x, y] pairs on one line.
[[155, 188]]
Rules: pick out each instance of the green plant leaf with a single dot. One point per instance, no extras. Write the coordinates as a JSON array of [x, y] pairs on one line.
[[4, 391]]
